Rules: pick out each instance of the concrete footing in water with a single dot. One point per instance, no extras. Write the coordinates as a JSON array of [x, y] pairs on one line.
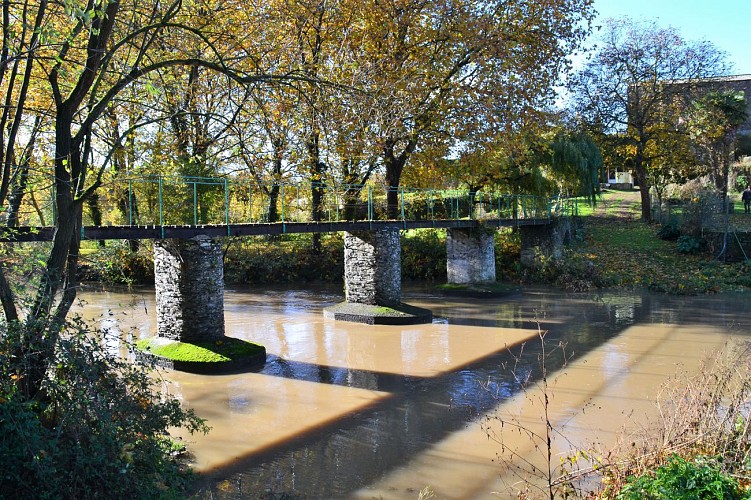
[[372, 282]]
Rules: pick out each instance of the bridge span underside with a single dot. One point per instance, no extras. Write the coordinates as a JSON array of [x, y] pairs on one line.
[[29, 234]]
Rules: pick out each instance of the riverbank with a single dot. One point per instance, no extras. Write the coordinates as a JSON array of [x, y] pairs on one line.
[[619, 251]]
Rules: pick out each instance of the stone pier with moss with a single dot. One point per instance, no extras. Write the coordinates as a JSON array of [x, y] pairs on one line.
[[372, 281], [189, 281]]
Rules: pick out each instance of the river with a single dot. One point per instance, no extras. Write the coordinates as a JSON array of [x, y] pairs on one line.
[[343, 410]]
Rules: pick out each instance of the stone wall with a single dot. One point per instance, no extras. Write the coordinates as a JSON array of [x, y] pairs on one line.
[[470, 256], [189, 280], [372, 267]]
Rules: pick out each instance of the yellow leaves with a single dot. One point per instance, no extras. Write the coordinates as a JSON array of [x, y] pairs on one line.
[[144, 402], [225, 486], [126, 453]]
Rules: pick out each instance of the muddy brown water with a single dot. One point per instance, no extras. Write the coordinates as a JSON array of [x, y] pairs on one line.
[[342, 410]]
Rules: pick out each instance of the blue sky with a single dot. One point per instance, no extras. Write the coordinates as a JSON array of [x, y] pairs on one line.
[[725, 23]]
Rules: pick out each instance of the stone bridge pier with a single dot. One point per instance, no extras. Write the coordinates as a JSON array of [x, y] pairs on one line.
[[470, 256], [189, 280], [545, 240], [373, 281], [373, 267]]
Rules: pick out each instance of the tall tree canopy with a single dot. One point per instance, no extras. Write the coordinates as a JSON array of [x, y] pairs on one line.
[[635, 84]]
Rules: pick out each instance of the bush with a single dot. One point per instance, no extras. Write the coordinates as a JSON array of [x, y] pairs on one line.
[[669, 231], [287, 259], [508, 248], [117, 263], [691, 244], [681, 479], [98, 429], [424, 255]]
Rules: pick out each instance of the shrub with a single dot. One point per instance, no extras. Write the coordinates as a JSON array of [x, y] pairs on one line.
[[98, 429], [117, 263], [424, 255], [669, 231], [507, 253], [283, 259], [691, 244], [682, 479]]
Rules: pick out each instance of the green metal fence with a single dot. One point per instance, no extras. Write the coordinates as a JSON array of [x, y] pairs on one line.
[[164, 201]]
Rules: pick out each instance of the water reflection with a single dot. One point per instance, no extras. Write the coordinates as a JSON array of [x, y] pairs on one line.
[[344, 410]]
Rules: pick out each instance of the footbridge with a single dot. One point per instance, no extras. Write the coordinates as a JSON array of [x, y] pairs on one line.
[[188, 218]]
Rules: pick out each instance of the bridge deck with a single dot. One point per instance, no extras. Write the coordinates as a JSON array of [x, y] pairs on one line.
[[27, 234]]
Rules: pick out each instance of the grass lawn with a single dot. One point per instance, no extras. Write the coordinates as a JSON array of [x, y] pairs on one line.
[[628, 253]]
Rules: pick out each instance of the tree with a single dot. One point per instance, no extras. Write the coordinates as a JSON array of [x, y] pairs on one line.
[[575, 163], [713, 123], [634, 83], [75, 412], [449, 72], [263, 137], [77, 60]]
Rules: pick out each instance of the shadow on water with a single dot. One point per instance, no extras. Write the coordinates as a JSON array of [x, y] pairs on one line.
[[339, 458]]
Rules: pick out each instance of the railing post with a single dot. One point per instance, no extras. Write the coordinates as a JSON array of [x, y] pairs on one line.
[[431, 206], [195, 203], [250, 201], [226, 203], [402, 193], [370, 202], [161, 208], [130, 202], [336, 205]]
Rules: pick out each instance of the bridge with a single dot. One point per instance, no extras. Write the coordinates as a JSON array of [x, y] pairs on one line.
[[161, 207], [187, 217]]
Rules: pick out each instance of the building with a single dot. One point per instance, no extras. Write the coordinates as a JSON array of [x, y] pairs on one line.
[[738, 83]]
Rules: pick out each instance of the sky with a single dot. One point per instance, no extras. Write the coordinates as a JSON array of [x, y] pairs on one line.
[[725, 23]]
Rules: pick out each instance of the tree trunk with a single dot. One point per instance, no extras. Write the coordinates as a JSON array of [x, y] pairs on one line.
[[640, 171], [95, 211], [646, 208], [352, 206], [15, 198], [273, 202], [394, 166], [7, 300], [42, 328]]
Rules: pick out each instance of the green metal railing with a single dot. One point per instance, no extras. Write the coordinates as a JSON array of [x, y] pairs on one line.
[[165, 201]]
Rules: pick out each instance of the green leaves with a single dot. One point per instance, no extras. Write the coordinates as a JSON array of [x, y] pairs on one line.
[[679, 479]]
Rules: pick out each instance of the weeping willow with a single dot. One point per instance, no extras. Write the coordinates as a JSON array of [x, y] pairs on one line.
[[576, 162]]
